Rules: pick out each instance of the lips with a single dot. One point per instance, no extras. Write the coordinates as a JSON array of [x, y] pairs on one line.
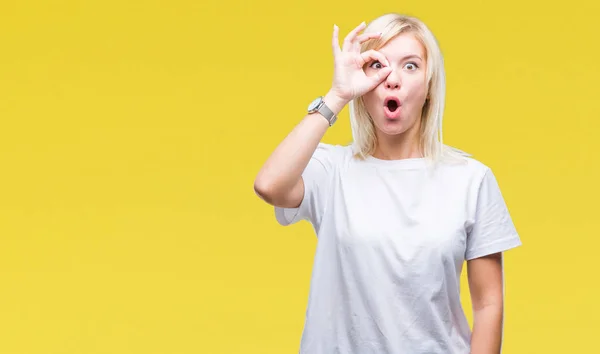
[[391, 107]]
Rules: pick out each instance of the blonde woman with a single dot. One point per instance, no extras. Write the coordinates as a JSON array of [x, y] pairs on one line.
[[397, 213]]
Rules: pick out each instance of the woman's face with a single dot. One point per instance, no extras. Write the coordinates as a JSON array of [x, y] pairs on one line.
[[396, 104]]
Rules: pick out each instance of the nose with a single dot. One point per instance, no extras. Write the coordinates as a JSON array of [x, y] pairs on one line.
[[392, 82]]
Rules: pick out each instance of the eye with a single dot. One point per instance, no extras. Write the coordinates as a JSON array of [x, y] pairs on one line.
[[411, 66], [376, 65]]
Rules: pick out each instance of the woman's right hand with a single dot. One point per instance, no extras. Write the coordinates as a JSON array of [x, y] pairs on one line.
[[349, 79]]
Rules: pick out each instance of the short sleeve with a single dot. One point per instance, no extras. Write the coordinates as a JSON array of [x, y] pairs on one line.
[[317, 177], [493, 230]]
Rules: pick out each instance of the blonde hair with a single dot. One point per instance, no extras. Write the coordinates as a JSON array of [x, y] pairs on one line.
[[431, 138]]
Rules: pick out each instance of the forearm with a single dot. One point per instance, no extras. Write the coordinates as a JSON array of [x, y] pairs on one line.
[[285, 165], [487, 330]]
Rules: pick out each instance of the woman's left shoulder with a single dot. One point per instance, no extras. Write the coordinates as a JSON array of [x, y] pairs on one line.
[[463, 162]]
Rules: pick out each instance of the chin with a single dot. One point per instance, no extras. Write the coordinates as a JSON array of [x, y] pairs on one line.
[[392, 127], [393, 132]]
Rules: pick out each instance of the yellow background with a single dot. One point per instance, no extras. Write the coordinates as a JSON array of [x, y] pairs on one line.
[[132, 132]]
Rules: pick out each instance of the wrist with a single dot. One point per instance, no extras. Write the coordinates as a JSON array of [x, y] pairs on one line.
[[334, 102]]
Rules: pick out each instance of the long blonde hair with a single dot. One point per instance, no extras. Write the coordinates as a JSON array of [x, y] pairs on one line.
[[431, 138]]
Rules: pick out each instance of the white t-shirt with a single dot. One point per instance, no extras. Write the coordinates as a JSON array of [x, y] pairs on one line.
[[392, 239]]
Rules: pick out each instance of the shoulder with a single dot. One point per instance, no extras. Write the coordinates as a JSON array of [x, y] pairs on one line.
[[333, 153], [334, 148], [471, 178], [476, 166], [464, 165]]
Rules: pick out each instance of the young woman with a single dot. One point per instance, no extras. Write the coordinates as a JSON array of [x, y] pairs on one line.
[[396, 212]]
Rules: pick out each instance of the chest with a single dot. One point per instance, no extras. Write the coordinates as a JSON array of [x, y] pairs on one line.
[[411, 213]]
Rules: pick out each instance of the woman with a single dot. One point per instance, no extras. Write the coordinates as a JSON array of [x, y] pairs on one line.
[[397, 212]]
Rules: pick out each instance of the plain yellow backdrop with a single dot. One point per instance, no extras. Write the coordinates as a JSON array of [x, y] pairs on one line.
[[132, 132]]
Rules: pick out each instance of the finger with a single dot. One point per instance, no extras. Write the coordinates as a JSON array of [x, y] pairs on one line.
[[351, 36], [380, 76], [372, 54], [374, 80], [365, 37], [335, 42]]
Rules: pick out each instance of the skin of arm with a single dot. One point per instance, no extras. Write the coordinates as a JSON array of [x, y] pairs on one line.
[[485, 277]]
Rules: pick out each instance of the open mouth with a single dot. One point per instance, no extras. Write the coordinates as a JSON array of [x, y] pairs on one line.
[[392, 103], [391, 107]]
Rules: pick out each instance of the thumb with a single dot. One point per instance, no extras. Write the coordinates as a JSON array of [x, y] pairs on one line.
[[381, 75]]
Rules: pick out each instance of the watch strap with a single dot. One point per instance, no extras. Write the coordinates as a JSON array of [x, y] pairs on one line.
[[327, 113]]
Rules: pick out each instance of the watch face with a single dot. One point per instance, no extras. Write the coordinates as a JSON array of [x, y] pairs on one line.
[[314, 104]]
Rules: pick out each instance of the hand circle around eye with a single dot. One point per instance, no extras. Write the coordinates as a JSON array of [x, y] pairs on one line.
[[349, 79]]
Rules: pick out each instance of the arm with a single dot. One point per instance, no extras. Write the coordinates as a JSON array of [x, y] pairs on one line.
[[279, 182], [486, 288]]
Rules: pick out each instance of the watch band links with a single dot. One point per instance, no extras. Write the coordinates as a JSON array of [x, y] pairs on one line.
[[327, 113]]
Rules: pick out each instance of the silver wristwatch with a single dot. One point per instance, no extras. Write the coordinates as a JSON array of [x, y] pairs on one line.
[[319, 106]]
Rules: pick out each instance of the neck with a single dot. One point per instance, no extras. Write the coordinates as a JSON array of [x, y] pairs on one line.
[[403, 146]]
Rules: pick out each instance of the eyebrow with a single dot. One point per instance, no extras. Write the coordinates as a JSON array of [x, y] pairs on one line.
[[409, 56]]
